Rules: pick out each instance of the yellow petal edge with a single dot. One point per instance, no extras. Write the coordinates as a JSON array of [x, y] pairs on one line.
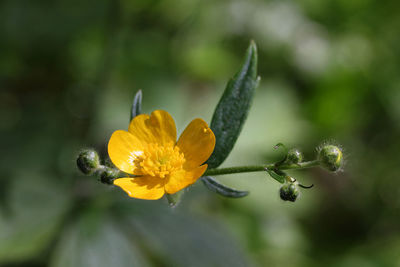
[[146, 187], [197, 142], [123, 148], [158, 128]]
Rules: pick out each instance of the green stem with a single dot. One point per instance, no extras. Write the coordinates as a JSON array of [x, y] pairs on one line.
[[258, 168]]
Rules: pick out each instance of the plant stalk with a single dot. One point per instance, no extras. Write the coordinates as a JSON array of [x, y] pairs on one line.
[[258, 168]]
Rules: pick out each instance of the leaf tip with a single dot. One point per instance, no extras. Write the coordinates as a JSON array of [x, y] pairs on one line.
[[139, 95], [221, 189], [253, 46], [136, 108], [252, 58]]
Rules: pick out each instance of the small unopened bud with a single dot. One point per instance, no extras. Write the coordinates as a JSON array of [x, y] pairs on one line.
[[88, 161], [331, 157], [289, 192], [108, 175], [294, 156]]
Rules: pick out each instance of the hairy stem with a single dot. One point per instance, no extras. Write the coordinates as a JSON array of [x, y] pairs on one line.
[[258, 168]]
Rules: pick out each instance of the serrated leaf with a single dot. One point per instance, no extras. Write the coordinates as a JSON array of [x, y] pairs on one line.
[[232, 109], [276, 176], [136, 105], [221, 189]]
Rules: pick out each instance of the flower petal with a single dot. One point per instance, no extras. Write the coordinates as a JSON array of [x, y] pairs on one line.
[[145, 187], [123, 148], [197, 142], [181, 179], [158, 128]]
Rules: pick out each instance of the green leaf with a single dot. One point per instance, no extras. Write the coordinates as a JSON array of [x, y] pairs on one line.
[[279, 177], [137, 105], [221, 189], [31, 222], [179, 237], [232, 109], [94, 240]]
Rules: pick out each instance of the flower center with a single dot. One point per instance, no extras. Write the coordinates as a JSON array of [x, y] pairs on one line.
[[159, 160]]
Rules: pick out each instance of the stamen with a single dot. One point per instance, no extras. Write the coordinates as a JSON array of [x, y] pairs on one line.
[[158, 160]]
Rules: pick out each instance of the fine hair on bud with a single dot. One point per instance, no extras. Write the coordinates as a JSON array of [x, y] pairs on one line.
[[108, 175], [88, 161], [331, 157], [294, 156], [289, 192]]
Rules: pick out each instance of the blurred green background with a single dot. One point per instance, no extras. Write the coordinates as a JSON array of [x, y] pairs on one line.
[[330, 71]]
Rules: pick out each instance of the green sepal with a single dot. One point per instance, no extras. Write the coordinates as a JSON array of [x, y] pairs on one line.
[[221, 189], [286, 152], [136, 105], [278, 145], [174, 199], [280, 177], [232, 109]]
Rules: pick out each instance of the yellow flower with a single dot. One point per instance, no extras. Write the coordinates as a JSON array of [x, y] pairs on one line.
[[149, 150]]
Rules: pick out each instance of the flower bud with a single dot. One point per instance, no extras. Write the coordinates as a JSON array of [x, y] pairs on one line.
[[88, 161], [289, 192], [294, 156], [107, 175], [330, 157]]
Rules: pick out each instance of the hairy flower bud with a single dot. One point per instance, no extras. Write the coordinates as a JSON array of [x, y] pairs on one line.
[[88, 161], [289, 192], [294, 156], [107, 175], [331, 157]]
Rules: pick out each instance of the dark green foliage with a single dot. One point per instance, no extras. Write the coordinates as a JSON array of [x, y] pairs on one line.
[[68, 69], [233, 107], [221, 189]]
